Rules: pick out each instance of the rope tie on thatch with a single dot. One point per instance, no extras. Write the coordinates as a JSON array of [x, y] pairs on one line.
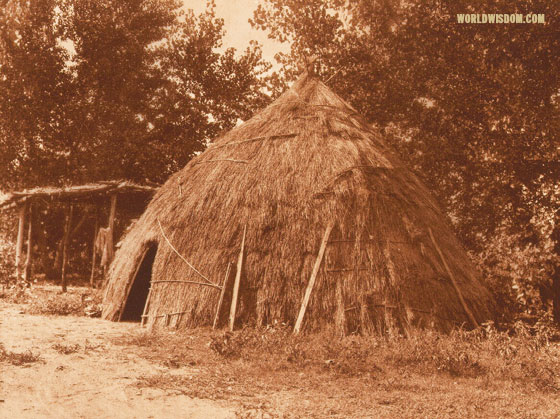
[[187, 282], [221, 160], [249, 140], [334, 74], [351, 112], [183, 258], [368, 241], [158, 316], [327, 188]]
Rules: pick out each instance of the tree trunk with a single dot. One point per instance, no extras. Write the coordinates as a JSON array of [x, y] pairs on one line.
[[556, 295], [57, 264], [555, 236]]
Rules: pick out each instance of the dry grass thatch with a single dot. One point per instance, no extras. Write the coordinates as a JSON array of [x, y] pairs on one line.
[[305, 161]]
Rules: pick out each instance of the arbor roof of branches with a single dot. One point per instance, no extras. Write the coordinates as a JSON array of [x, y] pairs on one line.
[[74, 193]]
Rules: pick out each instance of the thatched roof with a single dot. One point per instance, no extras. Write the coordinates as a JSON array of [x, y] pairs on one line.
[[305, 161], [73, 193]]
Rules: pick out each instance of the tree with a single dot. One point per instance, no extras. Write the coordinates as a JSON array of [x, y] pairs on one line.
[[115, 89], [474, 109], [33, 85], [204, 92], [152, 88]]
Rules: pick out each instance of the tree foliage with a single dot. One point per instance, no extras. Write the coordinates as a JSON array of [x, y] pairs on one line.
[[115, 89], [33, 82]]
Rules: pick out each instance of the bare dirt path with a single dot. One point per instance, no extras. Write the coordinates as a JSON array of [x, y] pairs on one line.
[[96, 380]]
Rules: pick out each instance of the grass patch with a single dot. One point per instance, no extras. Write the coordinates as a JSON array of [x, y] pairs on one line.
[[16, 294], [141, 338], [66, 349], [57, 305], [71, 303], [18, 358], [424, 374], [519, 357]]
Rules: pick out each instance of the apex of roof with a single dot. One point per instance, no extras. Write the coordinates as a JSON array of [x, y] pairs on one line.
[[314, 92]]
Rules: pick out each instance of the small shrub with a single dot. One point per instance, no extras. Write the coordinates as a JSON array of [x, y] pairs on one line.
[[18, 358], [250, 342], [140, 338], [66, 349], [225, 346], [57, 305], [15, 292]]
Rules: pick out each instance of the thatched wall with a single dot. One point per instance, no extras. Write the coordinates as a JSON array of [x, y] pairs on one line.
[[305, 161]]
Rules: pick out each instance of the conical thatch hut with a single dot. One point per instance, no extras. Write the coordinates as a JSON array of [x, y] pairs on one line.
[[305, 170]]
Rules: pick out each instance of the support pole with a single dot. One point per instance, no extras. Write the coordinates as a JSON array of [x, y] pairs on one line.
[[28, 260], [311, 283], [93, 250], [340, 315], [19, 243], [221, 300], [146, 305], [234, 297], [65, 246], [111, 227], [457, 290]]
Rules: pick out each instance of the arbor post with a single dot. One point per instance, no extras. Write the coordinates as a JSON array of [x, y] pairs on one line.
[[93, 250], [28, 260], [111, 227], [19, 244], [555, 236], [65, 242]]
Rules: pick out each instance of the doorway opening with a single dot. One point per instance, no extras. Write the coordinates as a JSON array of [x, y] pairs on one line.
[[136, 300]]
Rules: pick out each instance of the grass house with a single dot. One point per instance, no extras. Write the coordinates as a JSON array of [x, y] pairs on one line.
[[301, 215]]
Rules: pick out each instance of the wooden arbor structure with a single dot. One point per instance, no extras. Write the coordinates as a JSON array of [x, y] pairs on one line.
[[25, 201]]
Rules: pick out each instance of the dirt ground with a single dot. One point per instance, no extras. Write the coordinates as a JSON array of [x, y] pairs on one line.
[[97, 381], [90, 368]]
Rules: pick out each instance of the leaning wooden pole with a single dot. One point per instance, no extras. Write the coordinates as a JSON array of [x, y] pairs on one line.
[[65, 242], [234, 297], [457, 290], [19, 244], [221, 300], [312, 279], [29, 256], [146, 305]]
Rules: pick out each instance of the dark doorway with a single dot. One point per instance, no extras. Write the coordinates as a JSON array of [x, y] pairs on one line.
[[134, 306]]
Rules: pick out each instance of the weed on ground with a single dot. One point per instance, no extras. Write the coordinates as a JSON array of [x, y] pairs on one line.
[[19, 358], [75, 302], [66, 349]]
